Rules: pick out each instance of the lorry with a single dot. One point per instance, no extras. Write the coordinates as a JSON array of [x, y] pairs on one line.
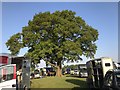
[[97, 70], [10, 74]]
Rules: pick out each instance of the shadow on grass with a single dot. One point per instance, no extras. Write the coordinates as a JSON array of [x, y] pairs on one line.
[[80, 83], [73, 76], [78, 88], [75, 88], [76, 76]]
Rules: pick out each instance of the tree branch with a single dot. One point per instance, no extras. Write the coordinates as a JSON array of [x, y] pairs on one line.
[[52, 64]]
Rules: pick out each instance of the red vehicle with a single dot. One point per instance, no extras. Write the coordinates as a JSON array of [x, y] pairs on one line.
[[4, 59], [7, 76], [9, 65]]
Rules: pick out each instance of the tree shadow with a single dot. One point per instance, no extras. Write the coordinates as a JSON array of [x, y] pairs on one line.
[[80, 83], [73, 76], [78, 88]]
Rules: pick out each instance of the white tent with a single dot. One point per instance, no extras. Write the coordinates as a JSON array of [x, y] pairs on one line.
[[42, 64]]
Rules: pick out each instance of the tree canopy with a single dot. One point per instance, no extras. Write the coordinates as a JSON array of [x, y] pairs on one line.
[[55, 37]]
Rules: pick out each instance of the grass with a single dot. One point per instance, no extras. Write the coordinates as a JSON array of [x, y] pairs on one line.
[[59, 82]]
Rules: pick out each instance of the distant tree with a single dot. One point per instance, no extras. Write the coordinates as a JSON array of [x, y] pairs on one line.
[[55, 37], [72, 67]]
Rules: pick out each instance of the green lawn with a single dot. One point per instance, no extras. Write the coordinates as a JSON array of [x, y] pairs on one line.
[[59, 82]]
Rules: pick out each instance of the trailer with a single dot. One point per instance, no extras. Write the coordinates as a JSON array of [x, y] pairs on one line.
[[97, 69]]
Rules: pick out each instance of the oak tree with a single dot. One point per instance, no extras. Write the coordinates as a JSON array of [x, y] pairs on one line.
[[55, 37]]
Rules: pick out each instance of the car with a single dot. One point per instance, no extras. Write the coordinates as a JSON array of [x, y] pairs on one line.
[[72, 72], [67, 71], [31, 75], [112, 80], [36, 74], [76, 72], [83, 72]]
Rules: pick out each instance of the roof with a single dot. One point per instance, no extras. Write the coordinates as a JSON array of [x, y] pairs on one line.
[[5, 54], [97, 59], [12, 56]]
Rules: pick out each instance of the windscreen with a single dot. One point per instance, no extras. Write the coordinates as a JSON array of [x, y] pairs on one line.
[[83, 70]]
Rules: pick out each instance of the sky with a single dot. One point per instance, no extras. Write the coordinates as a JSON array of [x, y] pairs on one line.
[[102, 16]]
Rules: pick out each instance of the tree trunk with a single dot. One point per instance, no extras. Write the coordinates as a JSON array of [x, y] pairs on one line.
[[59, 71], [59, 68]]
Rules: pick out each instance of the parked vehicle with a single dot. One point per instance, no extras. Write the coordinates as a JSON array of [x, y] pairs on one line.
[[72, 72], [67, 71], [10, 73], [83, 72], [32, 76], [50, 71], [97, 69], [8, 76], [76, 72], [36, 73]]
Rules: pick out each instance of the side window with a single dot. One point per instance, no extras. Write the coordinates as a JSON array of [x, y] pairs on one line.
[[4, 74], [107, 64], [10, 71]]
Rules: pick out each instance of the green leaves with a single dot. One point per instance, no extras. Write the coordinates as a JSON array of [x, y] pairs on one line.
[[14, 44], [52, 36]]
